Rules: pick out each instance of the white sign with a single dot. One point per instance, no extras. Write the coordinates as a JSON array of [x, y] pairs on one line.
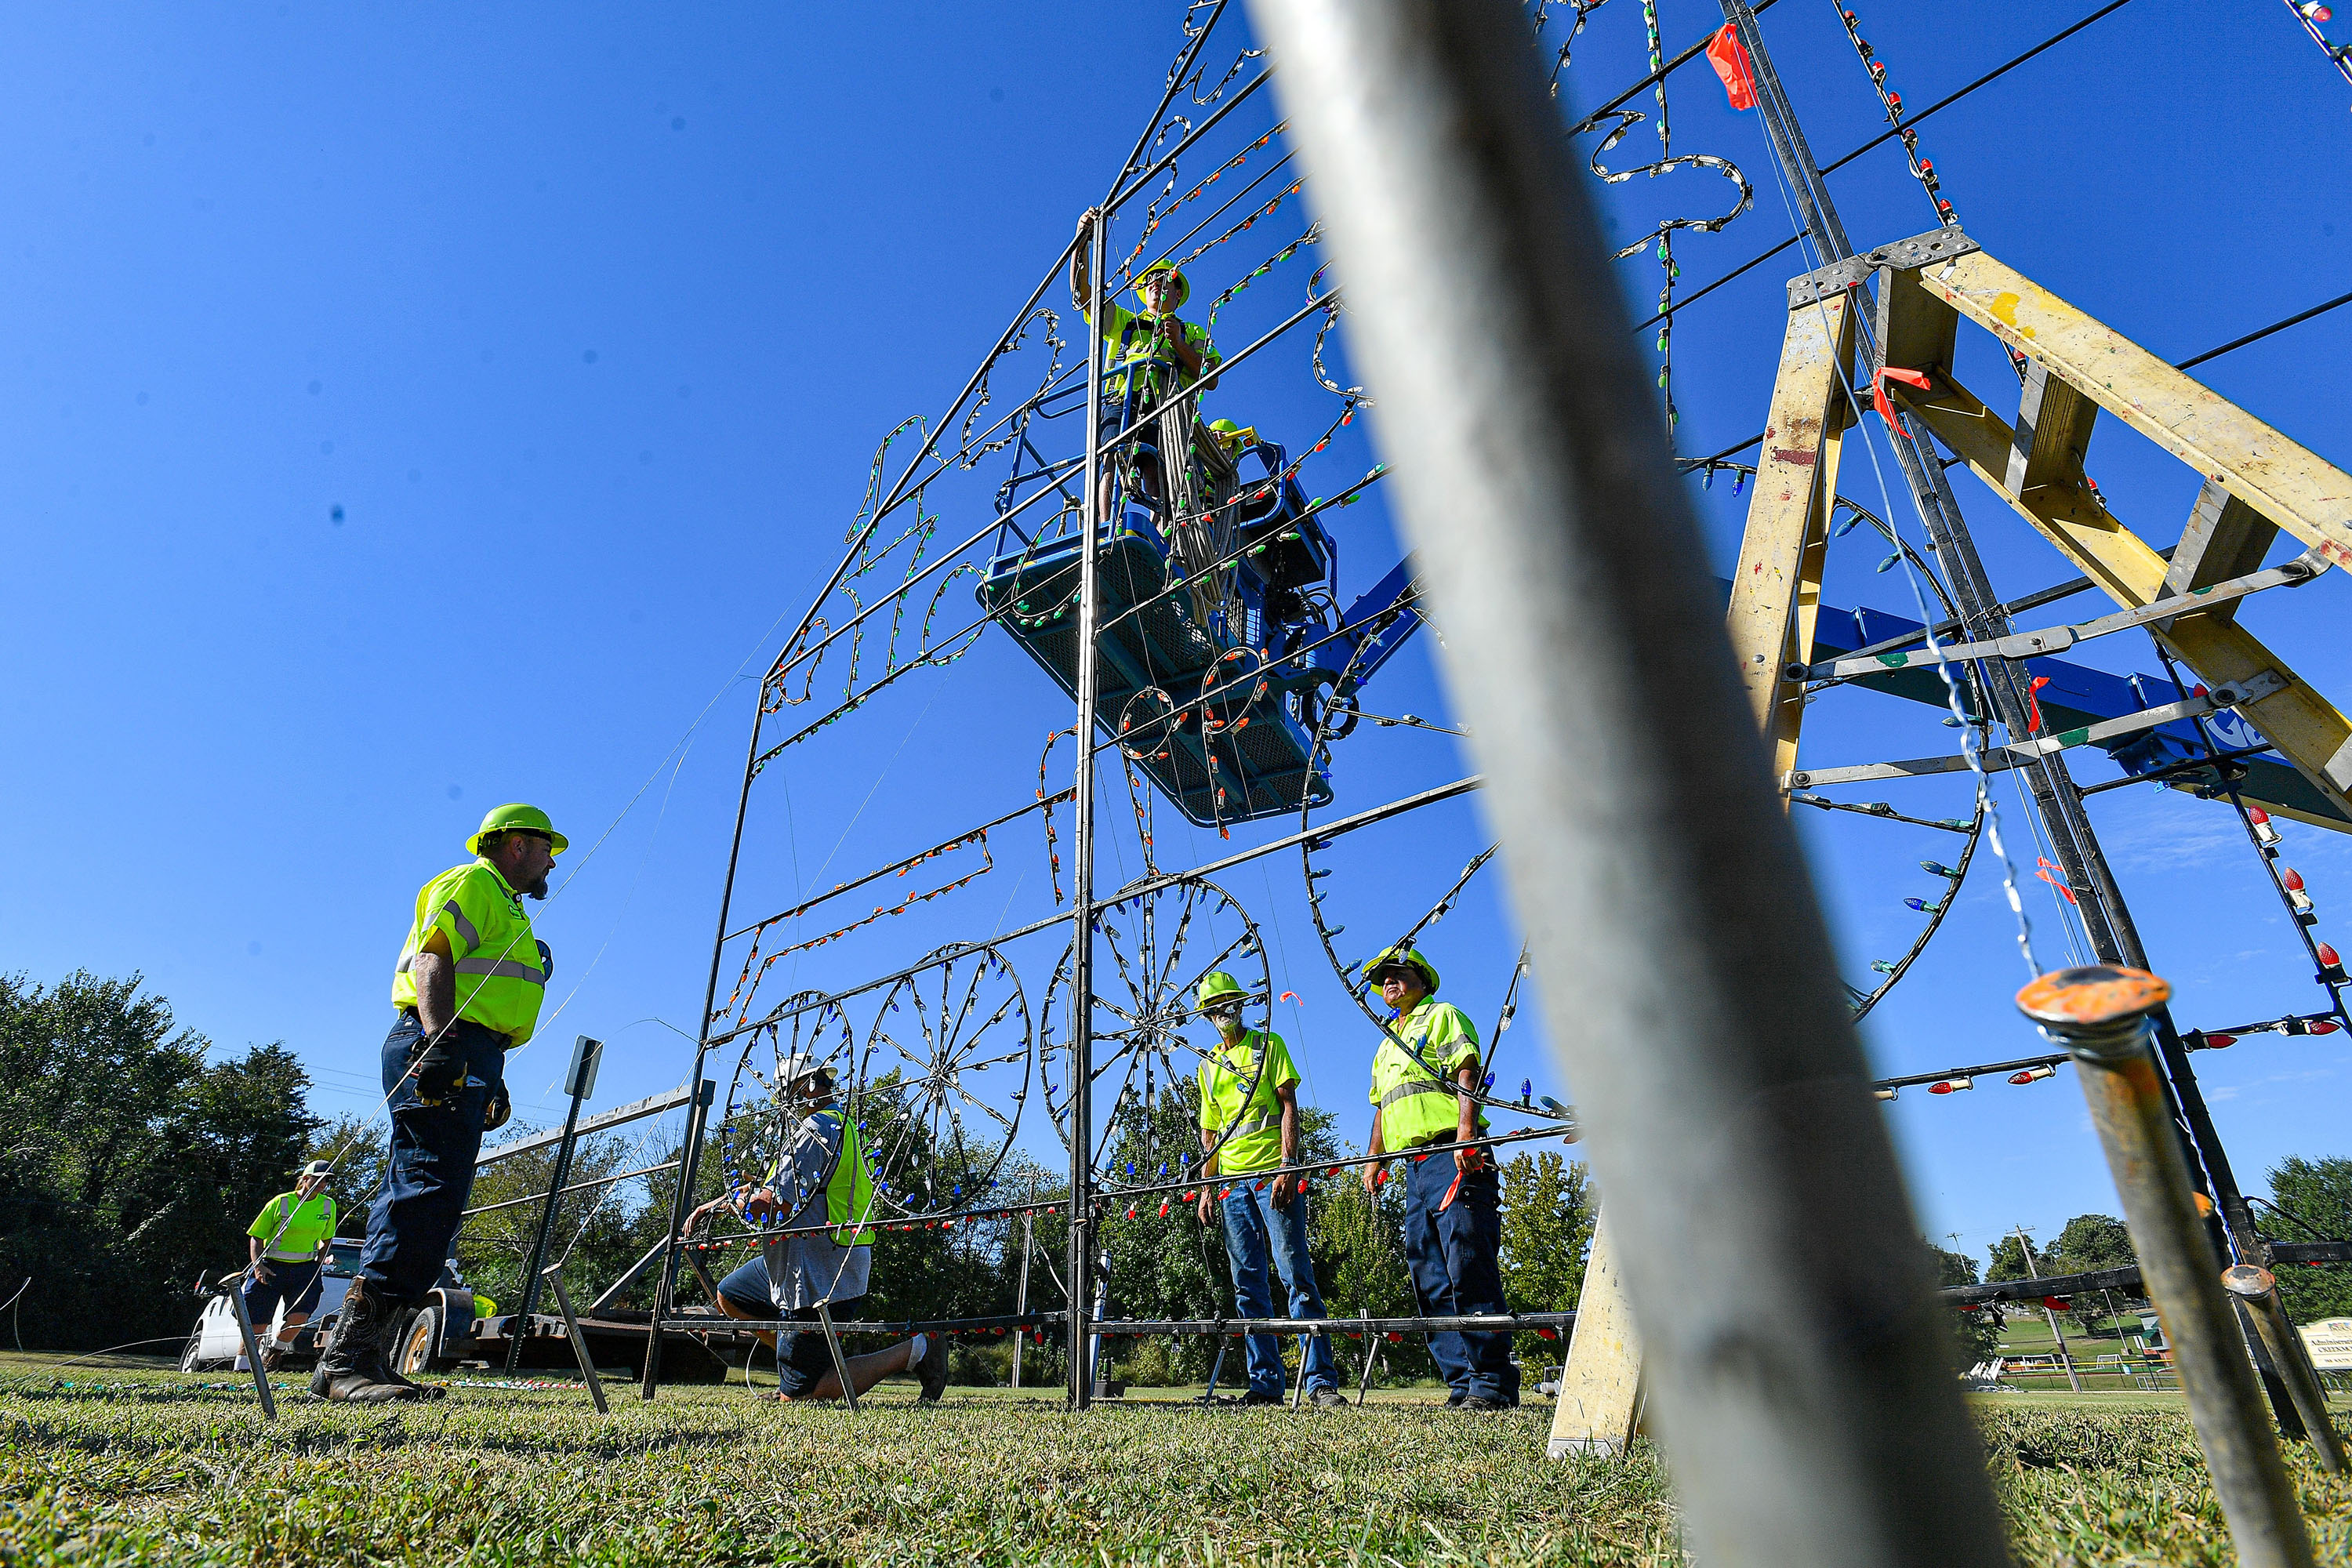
[[2330, 1342]]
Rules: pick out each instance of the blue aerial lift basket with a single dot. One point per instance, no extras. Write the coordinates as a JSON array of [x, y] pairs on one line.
[[1218, 713]]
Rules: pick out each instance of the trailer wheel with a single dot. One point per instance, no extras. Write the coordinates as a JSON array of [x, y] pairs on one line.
[[419, 1338]]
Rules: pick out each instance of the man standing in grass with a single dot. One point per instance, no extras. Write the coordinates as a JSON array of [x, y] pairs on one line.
[[1249, 1123], [1425, 1078], [287, 1243], [826, 1254], [468, 989]]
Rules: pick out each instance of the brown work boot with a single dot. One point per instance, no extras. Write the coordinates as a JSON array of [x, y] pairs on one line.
[[383, 1371], [350, 1368]]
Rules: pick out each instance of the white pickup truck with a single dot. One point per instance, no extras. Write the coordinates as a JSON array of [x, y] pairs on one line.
[[435, 1337]]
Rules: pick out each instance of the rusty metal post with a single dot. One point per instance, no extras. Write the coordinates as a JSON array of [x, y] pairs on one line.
[[2100, 1013], [2256, 1290], [1687, 974]]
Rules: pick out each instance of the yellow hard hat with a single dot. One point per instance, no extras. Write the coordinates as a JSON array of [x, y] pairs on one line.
[[517, 818], [1183, 284], [1214, 984], [1403, 958]]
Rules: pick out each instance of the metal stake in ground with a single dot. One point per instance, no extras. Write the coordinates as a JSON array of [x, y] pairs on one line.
[[579, 1082], [1685, 967], [2257, 1290], [2100, 1014], [252, 1348]]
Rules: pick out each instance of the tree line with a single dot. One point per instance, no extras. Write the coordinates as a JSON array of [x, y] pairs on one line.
[[133, 1155]]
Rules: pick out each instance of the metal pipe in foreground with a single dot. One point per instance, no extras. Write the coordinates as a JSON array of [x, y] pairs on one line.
[[1685, 970], [2256, 1290], [2100, 1014]]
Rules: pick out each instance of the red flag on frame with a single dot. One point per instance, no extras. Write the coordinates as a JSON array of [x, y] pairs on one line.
[[1730, 62]]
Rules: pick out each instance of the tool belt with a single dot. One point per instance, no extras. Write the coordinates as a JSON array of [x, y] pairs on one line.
[[506, 1042]]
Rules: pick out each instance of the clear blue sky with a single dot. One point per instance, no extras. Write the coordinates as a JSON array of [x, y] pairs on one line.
[[415, 411]]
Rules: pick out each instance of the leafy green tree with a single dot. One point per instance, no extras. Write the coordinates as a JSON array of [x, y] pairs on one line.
[[1358, 1240], [128, 1163], [2091, 1243], [1547, 1219], [2007, 1261], [595, 1233], [1976, 1335], [1953, 1268], [2313, 1198]]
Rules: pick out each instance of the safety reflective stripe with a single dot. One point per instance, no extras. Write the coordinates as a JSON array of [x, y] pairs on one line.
[[1260, 1125], [406, 959], [1407, 1090], [464, 927], [504, 968]]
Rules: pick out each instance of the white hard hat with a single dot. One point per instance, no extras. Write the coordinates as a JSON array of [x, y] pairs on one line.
[[804, 1065]]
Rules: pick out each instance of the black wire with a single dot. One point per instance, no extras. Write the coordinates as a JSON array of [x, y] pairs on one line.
[[1687, 464], [1886, 136], [1672, 66], [1954, 97], [1694, 298], [2266, 331]]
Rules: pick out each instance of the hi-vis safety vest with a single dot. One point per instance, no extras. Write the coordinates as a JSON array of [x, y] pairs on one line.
[[1252, 1068], [1417, 1105], [849, 1191], [500, 982], [1138, 342]]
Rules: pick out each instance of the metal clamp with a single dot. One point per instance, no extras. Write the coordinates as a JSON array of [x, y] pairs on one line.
[[1828, 282]]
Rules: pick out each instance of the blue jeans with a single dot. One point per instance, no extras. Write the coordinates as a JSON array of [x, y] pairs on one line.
[[1454, 1272], [1251, 1223], [431, 1173]]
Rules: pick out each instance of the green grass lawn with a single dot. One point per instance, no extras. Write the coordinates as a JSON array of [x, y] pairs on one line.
[[128, 1462]]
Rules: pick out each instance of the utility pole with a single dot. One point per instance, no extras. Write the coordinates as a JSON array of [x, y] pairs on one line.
[[2025, 1250]]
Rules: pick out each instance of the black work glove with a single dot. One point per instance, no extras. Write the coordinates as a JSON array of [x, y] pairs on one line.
[[496, 1108], [440, 1071]]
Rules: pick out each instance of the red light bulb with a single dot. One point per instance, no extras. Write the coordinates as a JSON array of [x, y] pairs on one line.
[[2291, 879]]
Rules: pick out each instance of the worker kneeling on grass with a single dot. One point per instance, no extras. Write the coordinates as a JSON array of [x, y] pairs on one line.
[[826, 1253], [1249, 1098], [468, 986], [1424, 1079], [288, 1240]]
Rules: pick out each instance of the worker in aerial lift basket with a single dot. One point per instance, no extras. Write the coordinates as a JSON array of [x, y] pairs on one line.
[[1149, 356], [1425, 1078], [1249, 1124], [468, 988], [825, 1254]]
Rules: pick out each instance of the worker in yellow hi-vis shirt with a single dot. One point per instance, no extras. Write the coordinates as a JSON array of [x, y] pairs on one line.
[[1249, 1124], [1426, 1075], [288, 1240], [468, 986]]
